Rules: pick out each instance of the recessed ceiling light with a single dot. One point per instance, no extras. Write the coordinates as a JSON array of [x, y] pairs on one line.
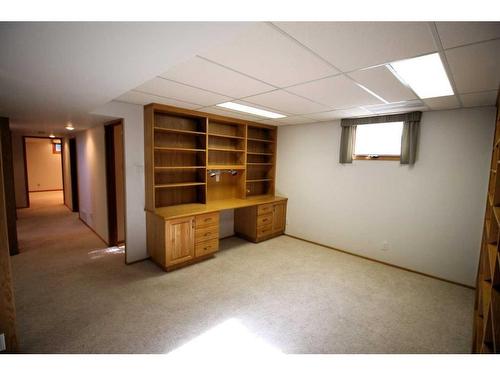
[[252, 110], [69, 126], [52, 135], [425, 75]]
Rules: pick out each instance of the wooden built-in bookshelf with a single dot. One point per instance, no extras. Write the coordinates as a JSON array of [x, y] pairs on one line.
[[486, 322], [261, 161], [183, 148]]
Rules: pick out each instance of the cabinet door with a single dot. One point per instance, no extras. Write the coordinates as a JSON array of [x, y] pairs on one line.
[[179, 240], [279, 217]]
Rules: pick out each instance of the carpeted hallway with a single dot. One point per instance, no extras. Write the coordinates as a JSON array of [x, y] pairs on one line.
[[73, 295]]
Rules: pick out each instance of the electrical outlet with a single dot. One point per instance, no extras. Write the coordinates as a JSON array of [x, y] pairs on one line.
[[385, 246], [2, 343]]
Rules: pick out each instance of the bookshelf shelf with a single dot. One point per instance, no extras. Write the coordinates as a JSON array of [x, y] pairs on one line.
[[178, 131], [183, 184]]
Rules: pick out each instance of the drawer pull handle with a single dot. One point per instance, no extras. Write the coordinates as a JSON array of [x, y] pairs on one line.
[[208, 219], [207, 234]]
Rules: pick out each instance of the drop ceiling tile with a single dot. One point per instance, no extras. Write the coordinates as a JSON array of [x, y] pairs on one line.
[[338, 92], [140, 98], [354, 45], [453, 34], [343, 113], [475, 67], [174, 90], [268, 122], [282, 101], [382, 82], [401, 107], [442, 102], [209, 76], [267, 54], [294, 120], [479, 98]]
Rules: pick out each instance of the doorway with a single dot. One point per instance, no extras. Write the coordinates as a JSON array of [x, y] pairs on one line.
[[73, 174], [115, 182], [44, 170]]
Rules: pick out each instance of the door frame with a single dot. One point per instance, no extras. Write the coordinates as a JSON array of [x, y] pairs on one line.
[[109, 147], [73, 174], [26, 166]]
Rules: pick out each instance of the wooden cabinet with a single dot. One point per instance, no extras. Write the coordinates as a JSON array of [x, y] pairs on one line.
[[179, 240], [262, 222]]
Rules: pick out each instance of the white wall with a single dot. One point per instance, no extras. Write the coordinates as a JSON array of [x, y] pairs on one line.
[[135, 218], [91, 165], [226, 223], [19, 173], [44, 167], [430, 214]]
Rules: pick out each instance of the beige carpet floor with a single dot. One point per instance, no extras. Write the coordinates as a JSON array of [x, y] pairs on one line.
[[284, 295]]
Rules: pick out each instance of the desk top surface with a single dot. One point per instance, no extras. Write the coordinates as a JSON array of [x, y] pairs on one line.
[[183, 210]]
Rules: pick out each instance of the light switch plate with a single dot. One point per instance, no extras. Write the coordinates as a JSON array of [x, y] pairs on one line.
[[2, 343]]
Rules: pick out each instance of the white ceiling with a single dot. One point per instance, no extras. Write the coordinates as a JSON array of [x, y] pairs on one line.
[[318, 71], [51, 73]]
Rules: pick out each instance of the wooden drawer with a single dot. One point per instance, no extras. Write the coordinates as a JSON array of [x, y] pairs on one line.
[[264, 230], [206, 233], [207, 220], [264, 209], [206, 247], [266, 219]]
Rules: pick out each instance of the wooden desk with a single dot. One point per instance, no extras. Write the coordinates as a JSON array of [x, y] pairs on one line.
[[183, 234]]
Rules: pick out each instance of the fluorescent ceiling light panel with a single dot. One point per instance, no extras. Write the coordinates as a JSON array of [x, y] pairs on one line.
[[425, 75], [251, 110]]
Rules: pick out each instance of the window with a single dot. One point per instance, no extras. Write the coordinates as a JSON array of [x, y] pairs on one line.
[[378, 141], [56, 148]]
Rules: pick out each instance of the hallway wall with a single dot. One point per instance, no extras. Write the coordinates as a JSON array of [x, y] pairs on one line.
[[19, 172], [44, 167], [92, 180], [133, 130]]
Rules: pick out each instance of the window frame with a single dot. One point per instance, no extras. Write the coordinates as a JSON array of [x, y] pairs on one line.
[[382, 157], [54, 148], [376, 157]]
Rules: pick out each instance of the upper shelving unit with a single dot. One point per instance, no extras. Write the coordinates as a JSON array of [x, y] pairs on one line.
[[193, 157], [261, 146]]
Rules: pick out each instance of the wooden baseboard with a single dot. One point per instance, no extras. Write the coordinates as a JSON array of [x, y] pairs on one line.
[[382, 262], [92, 229]]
